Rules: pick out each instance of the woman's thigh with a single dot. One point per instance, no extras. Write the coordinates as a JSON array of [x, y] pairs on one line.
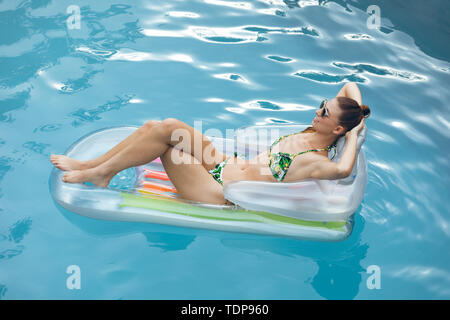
[[190, 178], [193, 142]]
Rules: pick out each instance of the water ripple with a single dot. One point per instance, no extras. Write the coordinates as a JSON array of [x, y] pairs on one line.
[[274, 106], [214, 100], [75, 85], [381, 71], [434, 279], [11, 253], [275, 121], [36, 147], [101, 53], [232, 76], [358, 36], [131, 55], [412, 133], [272, 12], [231, 35], [249, 7], [83, 115], [235, 110], [324, 77], [18, 230], [17, 101], [4, 167], [3, 290], [280, 59], [22, 46], [231, 4], [183, 14], [379, 135], [309, 31], [48, 128]]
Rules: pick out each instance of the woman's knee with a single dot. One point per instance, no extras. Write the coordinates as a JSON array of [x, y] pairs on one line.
[[160, 129], [171, 123], [149, 125], [173, 129]]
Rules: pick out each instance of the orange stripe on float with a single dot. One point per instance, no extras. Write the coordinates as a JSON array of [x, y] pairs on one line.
[[158, 186], [161, 175]]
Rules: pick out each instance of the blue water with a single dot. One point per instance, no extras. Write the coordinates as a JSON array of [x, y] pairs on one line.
[[228, 64]]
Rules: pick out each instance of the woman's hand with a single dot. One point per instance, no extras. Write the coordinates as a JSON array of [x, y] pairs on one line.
[[356, 129]]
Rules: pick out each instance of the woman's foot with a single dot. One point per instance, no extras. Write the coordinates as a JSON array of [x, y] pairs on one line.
[[67, 164], [92, 175]]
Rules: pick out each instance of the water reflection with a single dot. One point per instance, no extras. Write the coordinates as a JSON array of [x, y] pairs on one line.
[[3, 290], [434, 279], [14, 102], [380, 71], [325, 77], [10, 246], [168, 241], [427, 33], [339, 264], [83, 115], [230, 35], [339, 269], [37, 43]]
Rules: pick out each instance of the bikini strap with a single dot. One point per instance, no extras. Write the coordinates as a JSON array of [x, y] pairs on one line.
[[323, 149]]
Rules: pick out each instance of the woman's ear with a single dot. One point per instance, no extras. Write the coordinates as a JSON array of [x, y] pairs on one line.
[[339, 130]]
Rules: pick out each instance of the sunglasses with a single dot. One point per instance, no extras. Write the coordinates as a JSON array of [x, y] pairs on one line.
[[324, 110]]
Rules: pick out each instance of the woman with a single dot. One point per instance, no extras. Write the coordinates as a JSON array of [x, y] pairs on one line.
[[199, 178]]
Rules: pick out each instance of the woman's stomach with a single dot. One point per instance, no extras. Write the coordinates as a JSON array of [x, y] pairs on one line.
[[238, 169]]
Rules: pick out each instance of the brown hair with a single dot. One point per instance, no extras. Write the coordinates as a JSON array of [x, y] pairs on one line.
[[351, 112], [351, 115]]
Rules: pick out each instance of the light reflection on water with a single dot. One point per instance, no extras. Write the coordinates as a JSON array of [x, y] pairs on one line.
[[229, 64]]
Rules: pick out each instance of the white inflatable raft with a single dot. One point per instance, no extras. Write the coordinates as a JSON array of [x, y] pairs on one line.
[[313, 209]]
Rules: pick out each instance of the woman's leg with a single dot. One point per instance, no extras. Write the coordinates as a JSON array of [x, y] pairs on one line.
[[148, 146], [190, 178], [67, 164]]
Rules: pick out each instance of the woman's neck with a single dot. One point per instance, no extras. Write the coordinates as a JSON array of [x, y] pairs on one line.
[[319, 140]]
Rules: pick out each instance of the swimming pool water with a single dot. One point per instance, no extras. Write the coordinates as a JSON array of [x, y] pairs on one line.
[[229, 64]]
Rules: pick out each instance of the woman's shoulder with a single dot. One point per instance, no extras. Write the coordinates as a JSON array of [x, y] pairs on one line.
[[300, 168], [310, 157]]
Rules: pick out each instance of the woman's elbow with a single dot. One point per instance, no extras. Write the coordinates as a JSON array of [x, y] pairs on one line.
[[351, 84], [343, 172]]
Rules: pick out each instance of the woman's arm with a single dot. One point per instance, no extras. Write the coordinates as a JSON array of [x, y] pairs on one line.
[[327, 169], [350, 90]]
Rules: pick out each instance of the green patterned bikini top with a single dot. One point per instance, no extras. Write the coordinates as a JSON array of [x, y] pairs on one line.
[[279, 162]]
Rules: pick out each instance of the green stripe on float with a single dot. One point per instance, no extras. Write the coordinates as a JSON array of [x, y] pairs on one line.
[[182, 208]]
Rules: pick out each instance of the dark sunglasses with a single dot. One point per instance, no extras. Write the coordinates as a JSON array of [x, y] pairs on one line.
[[322, 107]]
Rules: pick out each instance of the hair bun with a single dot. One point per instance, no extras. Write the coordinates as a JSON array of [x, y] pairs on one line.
[[365, 110]]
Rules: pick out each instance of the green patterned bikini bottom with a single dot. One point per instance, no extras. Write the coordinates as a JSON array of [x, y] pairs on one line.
[[216, 173]]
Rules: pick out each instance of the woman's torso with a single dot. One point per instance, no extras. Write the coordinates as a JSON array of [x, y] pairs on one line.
[[257, 169]]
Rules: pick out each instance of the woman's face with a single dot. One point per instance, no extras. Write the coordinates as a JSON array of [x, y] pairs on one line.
[[326, 119]]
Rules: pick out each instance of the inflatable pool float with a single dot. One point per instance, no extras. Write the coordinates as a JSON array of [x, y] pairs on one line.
[[313, 209]]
